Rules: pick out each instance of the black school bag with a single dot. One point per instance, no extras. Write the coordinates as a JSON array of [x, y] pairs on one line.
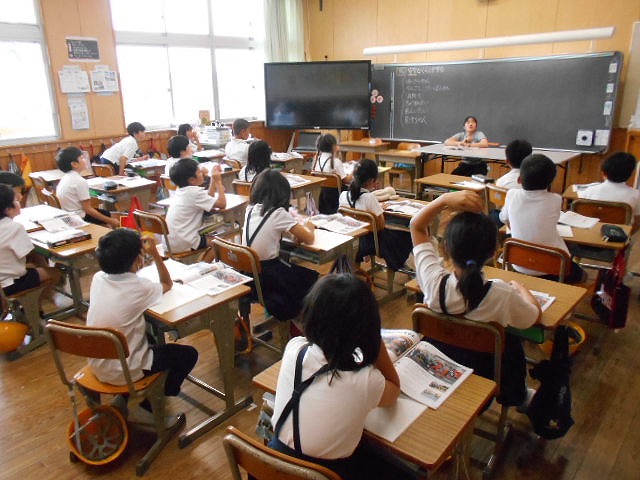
[[550, 408]]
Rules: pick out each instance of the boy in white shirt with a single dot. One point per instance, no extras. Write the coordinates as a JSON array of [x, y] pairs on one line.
[[616, 170], [119, 299], [532, 212], [178, 147], [190, 202], [516, 151], [238, 148], [73, 189], [119, 154]]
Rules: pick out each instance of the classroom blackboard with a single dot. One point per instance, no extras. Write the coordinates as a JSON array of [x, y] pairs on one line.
[[560, 102]]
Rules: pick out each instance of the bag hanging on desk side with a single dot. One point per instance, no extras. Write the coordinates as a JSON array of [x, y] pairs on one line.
[[611, 300], [130, 221]]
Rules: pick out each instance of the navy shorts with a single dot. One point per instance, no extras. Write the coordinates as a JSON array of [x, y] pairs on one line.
[[31, 279]]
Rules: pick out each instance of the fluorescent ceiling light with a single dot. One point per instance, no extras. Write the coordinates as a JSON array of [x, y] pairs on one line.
[[550, 37]]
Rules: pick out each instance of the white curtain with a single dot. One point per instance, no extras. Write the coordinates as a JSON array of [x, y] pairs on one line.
[[284, 31]]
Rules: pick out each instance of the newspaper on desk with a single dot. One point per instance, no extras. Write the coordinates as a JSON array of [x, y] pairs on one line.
[[576, 220], [338, 223], [295, 180]]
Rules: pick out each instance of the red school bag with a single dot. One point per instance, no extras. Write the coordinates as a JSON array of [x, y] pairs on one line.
[[129, 221], [611, 300]]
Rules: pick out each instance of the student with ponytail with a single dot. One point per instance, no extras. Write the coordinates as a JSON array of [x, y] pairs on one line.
[[395, 245], [327, 160], [470, 240]]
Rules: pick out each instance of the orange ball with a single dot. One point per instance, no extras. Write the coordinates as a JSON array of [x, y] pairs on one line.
[[11, 335]]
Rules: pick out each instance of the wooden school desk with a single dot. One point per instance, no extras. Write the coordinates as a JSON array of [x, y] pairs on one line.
[[400, 220], [308, 184], [75, 256], [30, 216], [362, 146], [326, 247], [560, 158], [151, 168], [435, 434], [127, 187], [450, 183], [233, 212], [52, 177], [206, 155], [216, 313], [592, 237], [287, 162], [567, 296], [393, 156]]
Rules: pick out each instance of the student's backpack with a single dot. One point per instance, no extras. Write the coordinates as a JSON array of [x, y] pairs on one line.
[[550, 408]]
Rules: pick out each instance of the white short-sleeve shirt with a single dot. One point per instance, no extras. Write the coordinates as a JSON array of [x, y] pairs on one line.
[[72, 190], [246, 176], [171, 161], [533, 216], [332, 414], [367, 201], [184, 217], [119, 301], [267, 241], [15, 244], [502, 303], [509, 179], [127, 147], [237, 149], [323, 164], [609, 191]]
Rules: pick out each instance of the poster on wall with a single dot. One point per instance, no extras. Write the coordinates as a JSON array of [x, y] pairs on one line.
[[79, 112], [104, 80], [83, 49], [73, 79]]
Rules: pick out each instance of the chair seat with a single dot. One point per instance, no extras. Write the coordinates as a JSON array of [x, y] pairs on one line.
[[88, 380]]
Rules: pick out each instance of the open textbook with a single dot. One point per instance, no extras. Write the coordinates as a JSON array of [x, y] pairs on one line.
[[338, 223], [426, 374], [404, 206]]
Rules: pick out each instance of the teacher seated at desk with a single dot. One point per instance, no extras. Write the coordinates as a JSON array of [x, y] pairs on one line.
[[471, 137]]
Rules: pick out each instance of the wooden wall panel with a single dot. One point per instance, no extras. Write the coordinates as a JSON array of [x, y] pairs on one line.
[[319, 42], [354, 28], [396, 27]]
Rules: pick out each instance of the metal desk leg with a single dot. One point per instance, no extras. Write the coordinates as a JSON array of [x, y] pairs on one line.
[[220, 323]]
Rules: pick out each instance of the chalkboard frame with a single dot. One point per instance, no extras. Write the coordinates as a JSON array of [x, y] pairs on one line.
[[545, 129]]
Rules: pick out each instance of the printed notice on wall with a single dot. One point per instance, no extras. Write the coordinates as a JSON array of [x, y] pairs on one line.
[[79, 112], [104, 80], [73, 79], [83, 49]]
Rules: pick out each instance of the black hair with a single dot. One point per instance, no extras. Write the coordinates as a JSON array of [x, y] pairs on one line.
[[271, 189], [183, 170], [7, 197], [176, 145], [66, 156], [470, 117], [325, 144], [135, 127], [340, 315], [619, 167], [469, 240], [537, 171], [516, 151], [184, 128], [239, 124], [366, 170], [258, 156], [11, 179], [118, 249]]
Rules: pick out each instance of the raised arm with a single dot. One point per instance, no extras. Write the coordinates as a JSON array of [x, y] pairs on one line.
[[216, 185], [149, 247]]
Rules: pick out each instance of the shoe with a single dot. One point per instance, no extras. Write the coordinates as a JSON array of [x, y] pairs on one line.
[[524, 406], [144, 417]]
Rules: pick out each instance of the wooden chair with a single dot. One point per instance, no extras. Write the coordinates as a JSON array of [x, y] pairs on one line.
[[549, 260], [241, 188], [607, 212], [107, 343], [235, 164], [50, 198], [168, 184], [39, 185], [478, 337], [263, 463], [496, 195], [245, 259], [103, 170], [375, 266], [399, 168], [156, 224]]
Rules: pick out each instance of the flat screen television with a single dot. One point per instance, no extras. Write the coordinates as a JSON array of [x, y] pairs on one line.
[[318, 94]]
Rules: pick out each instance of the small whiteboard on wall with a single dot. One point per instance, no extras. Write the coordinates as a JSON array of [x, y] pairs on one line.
[[83, 49]]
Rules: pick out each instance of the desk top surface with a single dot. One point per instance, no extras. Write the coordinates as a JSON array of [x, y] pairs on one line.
[[394, 152], [492, 153], [363, 145], [212, 153], [233, 201], [54, 175], [447, 180], [567, 296], [125, 184], [592, 237], [309, 181], [431, 438], [79, 248]]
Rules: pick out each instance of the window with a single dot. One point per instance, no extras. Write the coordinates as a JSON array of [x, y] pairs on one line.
[[25, 85], [187, 56]]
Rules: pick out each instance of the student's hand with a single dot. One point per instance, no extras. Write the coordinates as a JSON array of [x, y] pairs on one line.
[[216, 173], [463, 200], [149, 246], [114, 222]]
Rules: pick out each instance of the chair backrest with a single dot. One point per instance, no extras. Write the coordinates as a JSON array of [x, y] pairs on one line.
[[88, 342], [331, 180], [233, 163], [364, 216], [496, 195], [103, 170], [151, 222], [50, 198], [241, 188], [167, 183], [242, 258], [263, 463], [483, 337], [607, 212], [39, 185], [549, 260], [408, 146]]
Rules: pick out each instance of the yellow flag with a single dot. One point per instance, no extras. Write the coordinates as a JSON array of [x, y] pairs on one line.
[[25, 166]]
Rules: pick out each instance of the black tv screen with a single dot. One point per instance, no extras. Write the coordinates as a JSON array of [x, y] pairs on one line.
[[318, 94]]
